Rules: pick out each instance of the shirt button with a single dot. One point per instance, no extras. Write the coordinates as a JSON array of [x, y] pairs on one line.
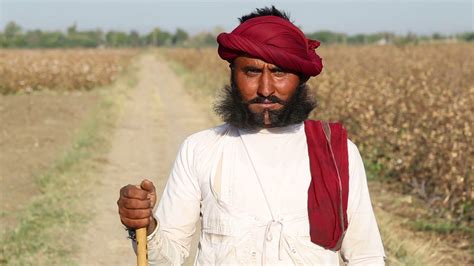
[[293, 250], [254, 253]]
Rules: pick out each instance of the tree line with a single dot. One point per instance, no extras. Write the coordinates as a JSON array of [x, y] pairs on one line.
[[13, 36]]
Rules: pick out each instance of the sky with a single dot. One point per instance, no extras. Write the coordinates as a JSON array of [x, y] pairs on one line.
[[348, 16]]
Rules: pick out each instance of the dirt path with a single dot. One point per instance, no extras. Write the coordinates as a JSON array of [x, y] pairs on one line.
[[157, 116]]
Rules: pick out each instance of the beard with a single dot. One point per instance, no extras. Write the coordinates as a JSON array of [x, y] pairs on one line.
[[234, 110]]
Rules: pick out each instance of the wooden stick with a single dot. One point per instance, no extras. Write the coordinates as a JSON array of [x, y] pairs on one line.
[[141, 247]]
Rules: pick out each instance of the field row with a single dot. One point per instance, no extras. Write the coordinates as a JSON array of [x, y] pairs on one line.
[[28, 70]]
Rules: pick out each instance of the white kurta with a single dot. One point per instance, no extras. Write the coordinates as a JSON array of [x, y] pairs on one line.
[[251, 189]]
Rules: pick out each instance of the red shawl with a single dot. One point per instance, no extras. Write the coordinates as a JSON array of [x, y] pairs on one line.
[[327, 200]]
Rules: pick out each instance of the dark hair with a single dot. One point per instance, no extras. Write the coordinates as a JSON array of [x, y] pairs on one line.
[[265, 11]]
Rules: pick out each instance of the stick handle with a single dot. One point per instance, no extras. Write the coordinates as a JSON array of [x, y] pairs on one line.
[[141, 247]]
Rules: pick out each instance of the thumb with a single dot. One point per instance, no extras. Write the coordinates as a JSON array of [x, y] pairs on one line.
[[148, 186]]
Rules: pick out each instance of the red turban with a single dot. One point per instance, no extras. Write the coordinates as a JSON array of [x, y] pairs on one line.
[[274, 40]]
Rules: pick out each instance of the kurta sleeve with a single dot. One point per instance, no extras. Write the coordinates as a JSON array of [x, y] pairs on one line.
[[177, 212], [362, 244]]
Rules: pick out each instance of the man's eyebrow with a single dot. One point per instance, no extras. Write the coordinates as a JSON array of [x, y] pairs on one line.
[[251, 68], [277, 69]]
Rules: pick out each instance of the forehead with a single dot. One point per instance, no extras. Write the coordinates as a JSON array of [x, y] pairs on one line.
[[244, 60]]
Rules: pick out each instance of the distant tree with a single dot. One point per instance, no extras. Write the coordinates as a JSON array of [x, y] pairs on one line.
[[206, 38], [12, 35], [76, 38], [92, 38], [12, 30], [33, 38], [158, 37], [179, 37], [134, 39], [328, 37], [466, 36], [53, 39], [357, 39], [437, 36], [116, 39], [72, 30], [203, 39], [411, 37], [374, 37]]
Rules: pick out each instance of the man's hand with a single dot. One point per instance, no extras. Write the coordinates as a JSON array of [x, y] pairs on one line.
[[136, 204]]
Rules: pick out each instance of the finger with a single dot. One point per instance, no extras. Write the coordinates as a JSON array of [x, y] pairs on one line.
[[135, 213], [148, 186], [134, 203], [134, 223], [133, 192]]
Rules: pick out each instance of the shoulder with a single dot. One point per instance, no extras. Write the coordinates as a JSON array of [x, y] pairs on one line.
[[199, 149], [352, 148], [207, 135], [355, 159], [205, 140]]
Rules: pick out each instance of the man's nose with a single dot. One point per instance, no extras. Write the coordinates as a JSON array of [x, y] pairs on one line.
[[265, 86]]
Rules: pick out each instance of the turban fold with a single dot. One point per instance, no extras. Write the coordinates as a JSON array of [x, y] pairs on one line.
[[274, 40]]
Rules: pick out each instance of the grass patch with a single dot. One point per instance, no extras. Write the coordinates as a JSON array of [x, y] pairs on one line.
[[46, 228], [374, 171], [178, 68], [413, 235], [440, 227], [399, 248]]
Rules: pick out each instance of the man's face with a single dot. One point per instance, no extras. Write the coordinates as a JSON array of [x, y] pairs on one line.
[[264, 86]]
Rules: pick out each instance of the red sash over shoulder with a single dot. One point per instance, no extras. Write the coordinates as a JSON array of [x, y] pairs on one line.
[[329, 187]]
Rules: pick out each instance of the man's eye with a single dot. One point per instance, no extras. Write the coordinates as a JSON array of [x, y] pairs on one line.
[[279, 73], [252, 72]]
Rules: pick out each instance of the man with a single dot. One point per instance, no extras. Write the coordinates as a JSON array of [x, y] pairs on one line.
[[268, 186]]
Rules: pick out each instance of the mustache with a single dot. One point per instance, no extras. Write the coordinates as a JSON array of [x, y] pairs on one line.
[[233, 109], [269, 99]]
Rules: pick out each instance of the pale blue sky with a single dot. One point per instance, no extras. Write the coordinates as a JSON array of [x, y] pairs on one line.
[[350, 16]]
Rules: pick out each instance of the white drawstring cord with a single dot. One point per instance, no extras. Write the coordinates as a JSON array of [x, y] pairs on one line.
[[269, 237]]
